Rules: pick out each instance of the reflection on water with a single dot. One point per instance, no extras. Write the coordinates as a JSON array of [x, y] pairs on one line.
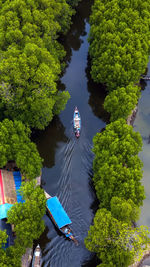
[[68, 161], [48, 139], [97, 95], [142, 124], [69, 180], [73, 40]]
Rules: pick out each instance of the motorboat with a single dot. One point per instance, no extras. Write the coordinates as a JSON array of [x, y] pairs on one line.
[[77, 122], [59, 217], [36, 262]]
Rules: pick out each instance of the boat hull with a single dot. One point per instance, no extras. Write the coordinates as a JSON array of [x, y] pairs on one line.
[[37, 257], [77, 122], [59, 217]]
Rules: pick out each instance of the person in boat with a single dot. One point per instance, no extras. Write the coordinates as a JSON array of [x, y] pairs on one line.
[[77, 133], [67, 232], [77, 118]]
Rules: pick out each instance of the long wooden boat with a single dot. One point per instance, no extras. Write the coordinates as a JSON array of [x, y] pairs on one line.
[[77, 122], [36, 262], [59, 217]]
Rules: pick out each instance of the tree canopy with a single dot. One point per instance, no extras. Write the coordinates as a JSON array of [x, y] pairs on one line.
[[124, 210], [119, 47], [16, 145], [120, 102], [117, 168], [115, 242], [30, 59], [27, 216], [73, 3], [28, 224], [119, 41]]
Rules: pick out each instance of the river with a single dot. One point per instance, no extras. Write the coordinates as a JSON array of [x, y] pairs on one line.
[[67, 166]]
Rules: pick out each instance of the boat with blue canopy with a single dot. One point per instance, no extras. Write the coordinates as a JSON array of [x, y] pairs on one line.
[[77, 122], [59, 217]]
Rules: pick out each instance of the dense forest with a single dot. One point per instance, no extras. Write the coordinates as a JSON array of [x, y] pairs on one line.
[[31, 62], [119, 49]]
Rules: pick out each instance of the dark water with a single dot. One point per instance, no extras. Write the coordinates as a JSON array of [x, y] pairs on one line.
[[67, 167]]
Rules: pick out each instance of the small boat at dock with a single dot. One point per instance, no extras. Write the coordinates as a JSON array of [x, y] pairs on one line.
[[59, 217], [77, 122]]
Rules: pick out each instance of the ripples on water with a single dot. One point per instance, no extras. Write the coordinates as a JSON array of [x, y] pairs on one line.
[[67, 166], [75, 158]]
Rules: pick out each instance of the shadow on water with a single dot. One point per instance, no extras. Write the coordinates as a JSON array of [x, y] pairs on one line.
[[67, 169], [73, 39], [48, 139], [73, 171], [97, 95]]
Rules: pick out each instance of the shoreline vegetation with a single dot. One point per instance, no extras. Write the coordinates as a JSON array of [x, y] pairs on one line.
[[31, 64], [119, 50], [32, 61], [145, 254]]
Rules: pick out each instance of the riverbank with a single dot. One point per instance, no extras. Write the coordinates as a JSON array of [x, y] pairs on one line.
[[131, 118], [146, 253], [28, 256], [138, 263]]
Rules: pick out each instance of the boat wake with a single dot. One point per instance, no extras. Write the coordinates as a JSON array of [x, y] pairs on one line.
[[75, 160]]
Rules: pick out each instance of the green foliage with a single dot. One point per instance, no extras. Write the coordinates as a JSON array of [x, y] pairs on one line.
[[27, 217], [11, 256], [73, 3], [119, 47], [3, 256], [115, 242], [120, 102], [124, 210], [15, 145], [61, 100], [30, 59], [3, 240], [117, 168], [119, 41]]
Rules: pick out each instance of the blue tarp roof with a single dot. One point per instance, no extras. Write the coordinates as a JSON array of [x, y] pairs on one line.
[[5, 207], [60, 216], [17, 179], [3, 210]]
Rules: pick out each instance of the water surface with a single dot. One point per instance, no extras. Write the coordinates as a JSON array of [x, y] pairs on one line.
[[67, 167], [142, 125]]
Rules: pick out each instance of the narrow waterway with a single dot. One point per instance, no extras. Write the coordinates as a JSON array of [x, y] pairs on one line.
[[67, 166]]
